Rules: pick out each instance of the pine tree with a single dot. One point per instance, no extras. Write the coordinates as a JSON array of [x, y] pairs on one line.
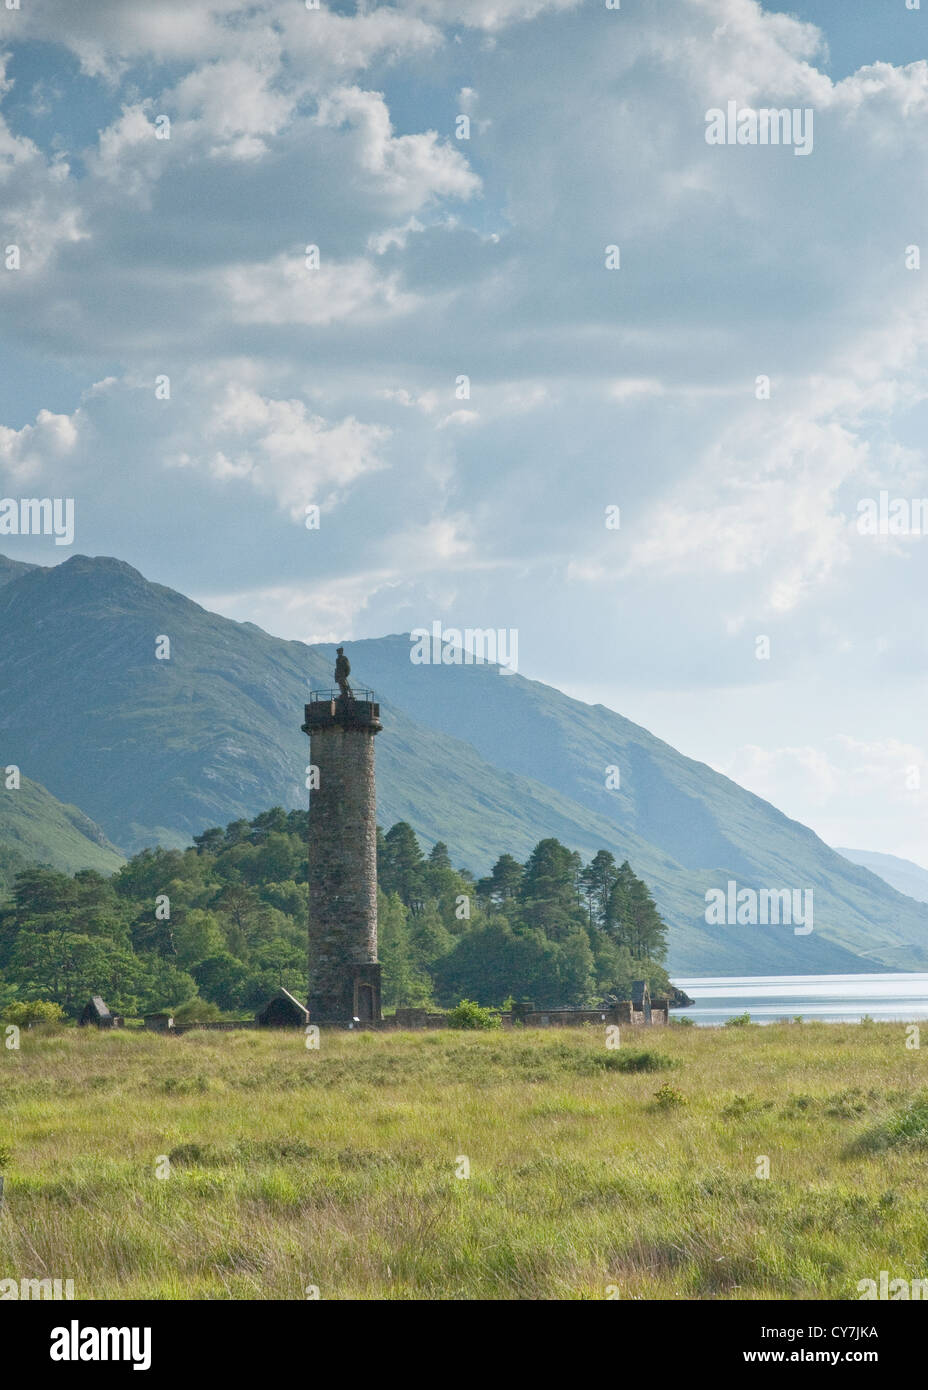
[[598, 878], [548, 892], [503, 883], [402, 870]]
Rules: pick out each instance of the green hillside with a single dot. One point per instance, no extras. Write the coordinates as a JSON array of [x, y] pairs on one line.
[[37, 829], [158, 750]]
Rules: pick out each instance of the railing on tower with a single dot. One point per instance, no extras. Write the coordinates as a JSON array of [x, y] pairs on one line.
[[329, 709], [325, 697]]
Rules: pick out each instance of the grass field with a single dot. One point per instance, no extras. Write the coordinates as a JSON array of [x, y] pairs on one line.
[[337, 1168]]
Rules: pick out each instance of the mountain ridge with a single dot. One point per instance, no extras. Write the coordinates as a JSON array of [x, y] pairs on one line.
[[902, 874], [160, 750]]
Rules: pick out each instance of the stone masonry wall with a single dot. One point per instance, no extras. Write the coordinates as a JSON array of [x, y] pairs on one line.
[[342, 861]]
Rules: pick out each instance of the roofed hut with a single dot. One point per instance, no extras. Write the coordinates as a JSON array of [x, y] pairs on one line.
[[96, 1012], [282, 1011]]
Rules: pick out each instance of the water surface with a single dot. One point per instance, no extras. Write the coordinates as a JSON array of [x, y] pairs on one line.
[[831, 998]]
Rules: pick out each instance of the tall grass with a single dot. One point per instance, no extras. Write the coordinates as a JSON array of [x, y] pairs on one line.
[[285, 1169]]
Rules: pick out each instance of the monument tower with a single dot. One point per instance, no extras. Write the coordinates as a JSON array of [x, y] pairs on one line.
[[344, 973]]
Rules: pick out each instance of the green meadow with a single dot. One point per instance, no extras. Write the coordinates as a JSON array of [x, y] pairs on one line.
[[594, 1172]]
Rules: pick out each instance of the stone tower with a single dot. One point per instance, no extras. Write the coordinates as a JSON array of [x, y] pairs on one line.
[[344, 974]]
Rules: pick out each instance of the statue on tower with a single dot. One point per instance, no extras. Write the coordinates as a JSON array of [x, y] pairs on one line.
[[342, 672]]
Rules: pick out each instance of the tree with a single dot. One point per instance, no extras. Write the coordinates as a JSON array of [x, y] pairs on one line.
[[616, 917], [148, 874], [503, 883], [402, 870], [439, 879], [238, 905], [575, 969], [429, 939], [403, 984], [648, 932], [222, 979], [163, 986], [67, 966], [269, 822], [38, 891], [548, 894], [210, 842], [196, 937], [494, 961], [599, 877], [438, 856]]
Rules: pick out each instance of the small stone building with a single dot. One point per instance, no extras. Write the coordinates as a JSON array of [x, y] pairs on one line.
[[96, 1012], [159, 1023], [282, 1011], [660, 1009]]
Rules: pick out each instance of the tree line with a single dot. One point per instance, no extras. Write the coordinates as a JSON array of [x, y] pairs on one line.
[[218, 927]]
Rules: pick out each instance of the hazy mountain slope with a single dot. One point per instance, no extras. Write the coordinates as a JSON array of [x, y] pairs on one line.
[[12, 569], [900, 874], [700, 819], [37, 829], [161, 749]]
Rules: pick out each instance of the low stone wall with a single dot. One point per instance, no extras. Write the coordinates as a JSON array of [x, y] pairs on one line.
[[416, 1018], [212, 1027], [622, 1014]]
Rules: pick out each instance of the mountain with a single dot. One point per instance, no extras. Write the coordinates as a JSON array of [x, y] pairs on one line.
[[37, 829], [12, 569], [158, 750], [900, 874]]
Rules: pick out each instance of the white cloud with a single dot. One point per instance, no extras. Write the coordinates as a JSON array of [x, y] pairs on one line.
[[285, 450], [36, 450], [407, 169], [313, 611], [285, 291], [109, 35], [235, 104], [838, 784], [490, 14]]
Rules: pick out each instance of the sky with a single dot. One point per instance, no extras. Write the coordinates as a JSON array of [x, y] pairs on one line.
[[465, 380]]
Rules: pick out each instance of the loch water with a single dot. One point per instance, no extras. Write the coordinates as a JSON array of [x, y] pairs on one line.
[[829, 998]]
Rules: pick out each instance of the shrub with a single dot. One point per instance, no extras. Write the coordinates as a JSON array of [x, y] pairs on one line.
[[637, 1061], [23, 1012], [906, 1127], [667, 1097], [910, 1125], [469, 1014], [739, 1021], [197, 1011]]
